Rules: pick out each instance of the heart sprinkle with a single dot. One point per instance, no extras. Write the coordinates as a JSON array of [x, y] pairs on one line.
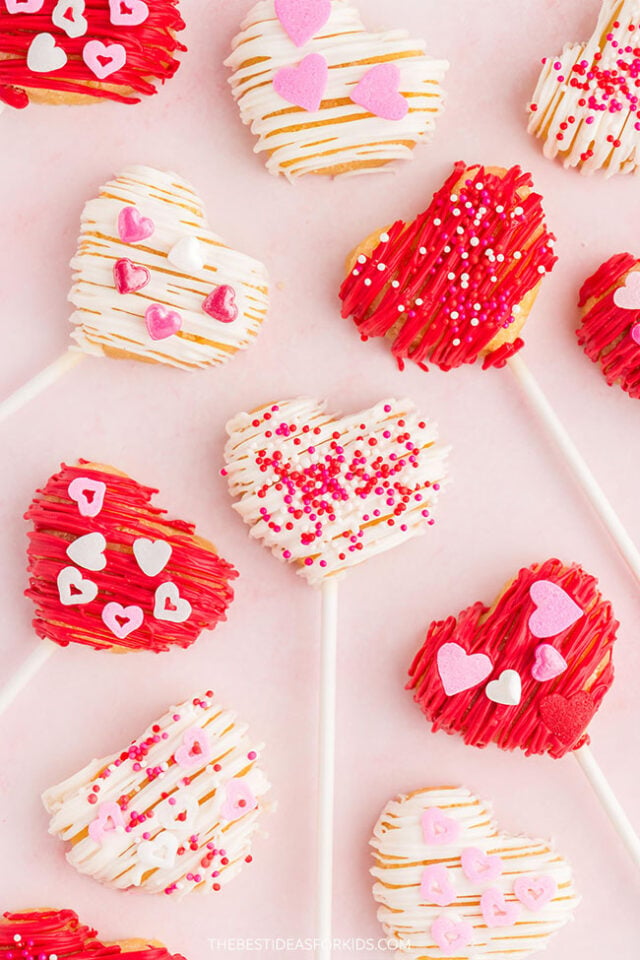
[[93, 518], [327, 493], [221, 304], [304, 84], [609, 332], [378, 93], [184, 798], [129, 277], [460, 898], [520, 708]]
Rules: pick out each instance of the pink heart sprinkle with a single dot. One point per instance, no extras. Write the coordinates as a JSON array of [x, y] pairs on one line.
[[438, 829], [555, 612], [195, 750], [108, 819], [88, 494], [548, 663], [128, 14], [221, 304], [535, 892], [301, 19], [133, 227], [122, 620], [239, 800], [460, 670], [627, 297], [161, 322], [451, 936], [436, 886], [497, 911], [303, 85], [479, 866], [635, 333], [104, 59], [129, 277], [378, 93]]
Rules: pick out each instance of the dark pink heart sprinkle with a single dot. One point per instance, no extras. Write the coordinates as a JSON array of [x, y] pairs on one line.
[[129, 277], [221, 304]]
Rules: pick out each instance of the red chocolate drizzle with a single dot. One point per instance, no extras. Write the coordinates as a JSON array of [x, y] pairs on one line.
[[465, 243], [605, 333], [150, 48], [37, 934], [502, 633], [202, 577]]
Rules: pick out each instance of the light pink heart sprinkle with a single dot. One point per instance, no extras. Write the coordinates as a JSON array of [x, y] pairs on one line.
[[479, 866], [108, 819], [555, 612], [627, 297], [497, 911], [128, 13], [378, 92], [438, 829], [436, 886], [534, 893], [88, 494], [161, 322], [195, 750], [303, 85], [104, 59], [301, 19], [460, 670], [239, 799], [451, 936], [635, 333], [122, 620]]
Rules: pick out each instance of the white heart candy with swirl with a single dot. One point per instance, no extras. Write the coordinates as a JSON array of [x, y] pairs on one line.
[[174, 812], [325, 492], [449, 884], [135, 298]]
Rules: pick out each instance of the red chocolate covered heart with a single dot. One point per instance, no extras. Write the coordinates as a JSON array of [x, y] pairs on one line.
[[459, 281], [55, 52], [517, 696], [109, 570], [34, 934], [610, 328]]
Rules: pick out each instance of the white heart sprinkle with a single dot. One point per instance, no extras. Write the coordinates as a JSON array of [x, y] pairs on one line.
[[169, 605], [152, 556], [187, 255], [44, 56], [507, 689], [88, 551], [73, 589], [74, 26]]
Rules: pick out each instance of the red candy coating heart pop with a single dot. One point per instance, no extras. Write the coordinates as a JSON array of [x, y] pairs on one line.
[[527, 673]]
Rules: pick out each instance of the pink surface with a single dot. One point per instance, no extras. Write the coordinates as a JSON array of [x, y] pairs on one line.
[[510, 502]]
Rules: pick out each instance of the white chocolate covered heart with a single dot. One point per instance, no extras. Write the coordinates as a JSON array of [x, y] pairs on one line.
[[174, 812], [147, 270], [448, 884], [586, 106], [326, 493], [324, 95]]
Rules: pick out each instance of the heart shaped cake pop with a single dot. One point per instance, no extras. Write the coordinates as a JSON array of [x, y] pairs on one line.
[[459, 281], [53, 51], [326, 493], [545, 645], [147, 269], [324, 95], [469, 892], [586, 106], [609, 331], [174, 812], [46, 933], [109, 570]]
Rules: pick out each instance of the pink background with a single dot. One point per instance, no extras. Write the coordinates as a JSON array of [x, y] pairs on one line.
[[510, 502]]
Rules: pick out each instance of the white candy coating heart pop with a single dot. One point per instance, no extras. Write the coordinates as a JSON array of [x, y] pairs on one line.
[[326, 493]]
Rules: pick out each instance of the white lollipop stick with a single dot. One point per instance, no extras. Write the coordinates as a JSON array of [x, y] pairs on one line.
[[24, 673], [609, 801], [576, 463], [326, 768], [20, 397]]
